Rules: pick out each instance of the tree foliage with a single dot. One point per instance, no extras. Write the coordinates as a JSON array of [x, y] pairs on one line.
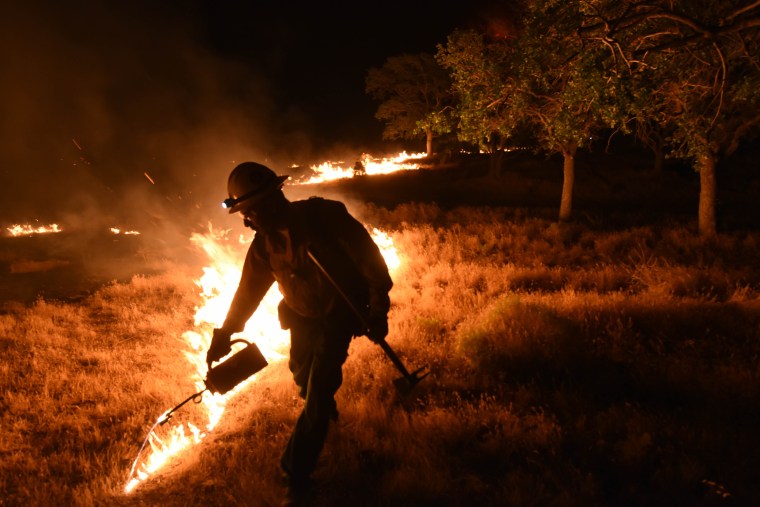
[[564, 86], [483, 77], [415, 97], [685, 72], [701, 65], [541, 76], [699, 57]]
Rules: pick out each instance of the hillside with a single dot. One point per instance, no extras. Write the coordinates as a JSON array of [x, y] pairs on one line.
[[612, 191], [617, 188], [607, 361]]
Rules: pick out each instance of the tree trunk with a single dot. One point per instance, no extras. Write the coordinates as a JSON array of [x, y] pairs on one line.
[[707, 191], [659, 160], [568, 169], [495, 161], [429, 144], [657, 144]]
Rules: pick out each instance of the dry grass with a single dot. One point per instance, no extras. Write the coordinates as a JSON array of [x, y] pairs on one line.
[[570, 366], [79, 381]]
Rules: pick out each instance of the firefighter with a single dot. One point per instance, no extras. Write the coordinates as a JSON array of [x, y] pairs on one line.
[[290, 236]]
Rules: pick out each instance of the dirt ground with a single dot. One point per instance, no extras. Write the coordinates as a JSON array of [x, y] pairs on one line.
[[71, 265]]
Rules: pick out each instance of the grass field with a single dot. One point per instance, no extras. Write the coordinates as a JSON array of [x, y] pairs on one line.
[[576, 364]]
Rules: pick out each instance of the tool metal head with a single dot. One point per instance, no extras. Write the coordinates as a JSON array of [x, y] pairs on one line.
[[406, 383]]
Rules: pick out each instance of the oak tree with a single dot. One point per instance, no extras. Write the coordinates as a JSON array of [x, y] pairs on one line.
[[563, 86], [415, 98], [701, 60], [483, 78]]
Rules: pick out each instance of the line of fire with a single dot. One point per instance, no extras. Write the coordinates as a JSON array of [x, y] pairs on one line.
[[165, 440]]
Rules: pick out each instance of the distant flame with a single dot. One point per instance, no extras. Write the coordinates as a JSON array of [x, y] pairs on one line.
[[218, 284], [116, 230], [328, 171], [26, 229]]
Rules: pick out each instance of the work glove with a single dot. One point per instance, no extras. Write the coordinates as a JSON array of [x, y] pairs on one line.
[[378, 327], [220, 346]]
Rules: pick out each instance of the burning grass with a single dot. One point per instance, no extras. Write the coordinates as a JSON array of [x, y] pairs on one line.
[[570, 366]]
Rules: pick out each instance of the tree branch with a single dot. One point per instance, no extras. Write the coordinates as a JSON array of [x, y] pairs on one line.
[[744, 9], [740, 131], [724, 76]]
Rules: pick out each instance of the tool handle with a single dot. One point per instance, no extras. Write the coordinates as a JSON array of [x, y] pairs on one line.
[[359, 315], [394, 358], [232, 342], [362, 318]]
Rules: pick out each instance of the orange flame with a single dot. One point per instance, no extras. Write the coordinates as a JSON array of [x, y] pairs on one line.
[[218, 284], [26, 229], [116, 230], [328, 171]]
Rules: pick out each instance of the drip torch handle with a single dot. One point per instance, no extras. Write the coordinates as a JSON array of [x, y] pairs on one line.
[[232, 342]]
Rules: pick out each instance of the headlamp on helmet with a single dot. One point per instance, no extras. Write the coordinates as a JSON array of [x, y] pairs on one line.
[[250, 183], [230, 202]]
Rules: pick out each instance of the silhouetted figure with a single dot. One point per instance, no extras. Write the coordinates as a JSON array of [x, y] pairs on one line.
[[359, 169], [321, 323]]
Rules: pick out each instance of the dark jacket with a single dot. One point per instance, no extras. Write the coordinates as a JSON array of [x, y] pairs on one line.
[[340, 243]]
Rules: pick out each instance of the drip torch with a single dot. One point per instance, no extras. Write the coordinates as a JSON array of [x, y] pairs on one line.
[[226, 375]]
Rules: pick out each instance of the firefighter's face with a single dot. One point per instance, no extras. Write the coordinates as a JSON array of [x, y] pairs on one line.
[[263, 215], [252, 217]]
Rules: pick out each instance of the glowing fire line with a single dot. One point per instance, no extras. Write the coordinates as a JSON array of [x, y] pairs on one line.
[[218, 284], [27, 229], [328, 171], [116, 230]]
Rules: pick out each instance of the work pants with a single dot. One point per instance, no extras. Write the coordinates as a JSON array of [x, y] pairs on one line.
[[318, 349]]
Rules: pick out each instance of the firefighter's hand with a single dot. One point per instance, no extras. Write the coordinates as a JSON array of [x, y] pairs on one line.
[[378, 328], [220, 346]]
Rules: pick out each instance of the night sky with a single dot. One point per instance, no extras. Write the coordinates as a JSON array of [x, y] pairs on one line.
[[96, 94]]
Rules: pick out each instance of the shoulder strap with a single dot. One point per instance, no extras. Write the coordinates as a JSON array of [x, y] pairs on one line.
[[332, 256]]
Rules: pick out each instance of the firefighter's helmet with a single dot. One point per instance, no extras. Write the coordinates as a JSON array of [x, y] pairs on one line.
[[248, 184]]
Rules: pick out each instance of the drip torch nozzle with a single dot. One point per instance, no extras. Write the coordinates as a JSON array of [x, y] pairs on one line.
[[196, 398]]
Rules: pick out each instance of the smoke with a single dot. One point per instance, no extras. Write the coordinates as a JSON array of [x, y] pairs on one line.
[[98, 100], [131, 114]]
